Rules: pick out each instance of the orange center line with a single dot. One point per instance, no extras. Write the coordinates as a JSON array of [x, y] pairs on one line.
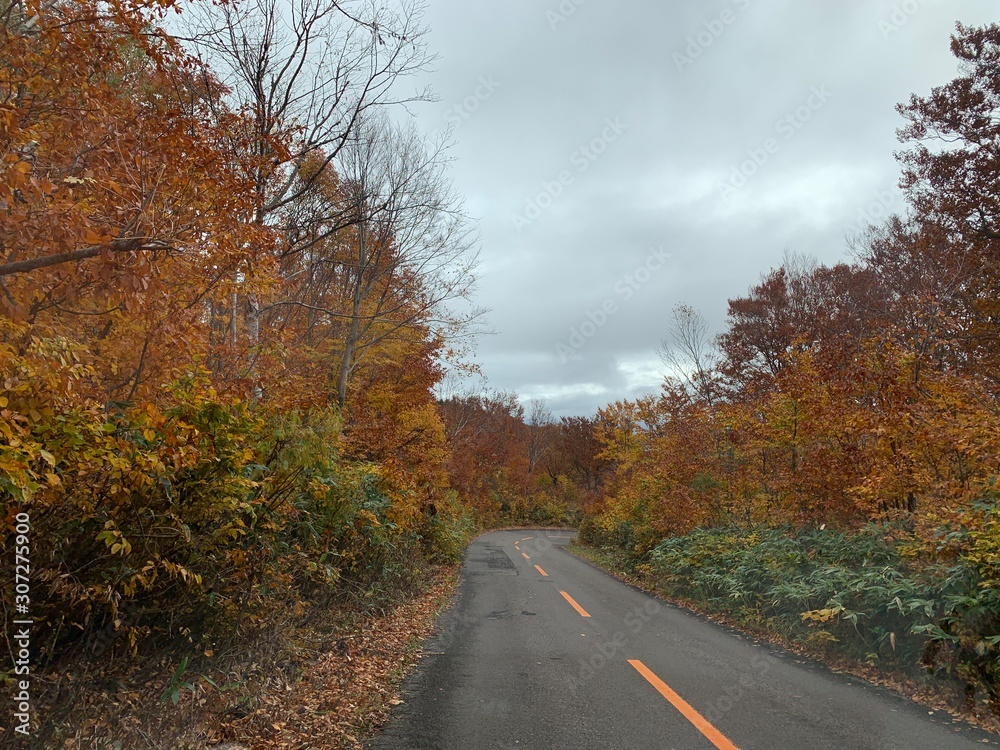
[[527, 538], [525, 555], [541, 571], [713, 735], [574, 605]]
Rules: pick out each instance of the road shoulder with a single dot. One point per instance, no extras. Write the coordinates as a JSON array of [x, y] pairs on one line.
[[927, 696]]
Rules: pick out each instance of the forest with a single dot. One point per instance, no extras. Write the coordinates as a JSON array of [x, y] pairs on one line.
[[231, 281], [826, 467], [235, 287]]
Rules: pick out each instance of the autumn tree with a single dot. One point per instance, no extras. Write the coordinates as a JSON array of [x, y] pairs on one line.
[[950, 177], [180, 258], [576, 453], [412, 236], [305, 74], [111, 234], [833, 307]]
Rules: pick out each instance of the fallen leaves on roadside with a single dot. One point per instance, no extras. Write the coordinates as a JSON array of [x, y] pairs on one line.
[[349, 689]]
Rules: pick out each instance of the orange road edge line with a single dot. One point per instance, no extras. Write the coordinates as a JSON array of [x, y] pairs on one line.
[[574, 605], [713, 735], [525, 555], [541, 571]]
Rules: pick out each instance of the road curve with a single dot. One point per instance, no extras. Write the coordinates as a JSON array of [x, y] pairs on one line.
[[541, 650]]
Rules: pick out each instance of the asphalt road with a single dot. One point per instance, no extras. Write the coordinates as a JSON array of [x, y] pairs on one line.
[[541, 650]]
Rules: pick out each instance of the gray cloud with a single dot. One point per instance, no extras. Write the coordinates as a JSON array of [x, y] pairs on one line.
[[554, 85]]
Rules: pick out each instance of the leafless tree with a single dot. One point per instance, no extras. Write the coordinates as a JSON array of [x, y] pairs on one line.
[[319, 77], [306, 72], [384, 245], [411, 231], [687, 350], [540, 432]]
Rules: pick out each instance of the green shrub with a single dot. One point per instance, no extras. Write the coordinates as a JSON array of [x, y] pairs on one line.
[[191, 514], [877, 594]]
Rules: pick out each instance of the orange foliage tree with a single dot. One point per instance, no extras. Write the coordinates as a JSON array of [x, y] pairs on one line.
[[218, 359]]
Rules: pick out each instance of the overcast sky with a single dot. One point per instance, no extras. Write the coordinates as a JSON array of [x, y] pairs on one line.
[[623, 157]]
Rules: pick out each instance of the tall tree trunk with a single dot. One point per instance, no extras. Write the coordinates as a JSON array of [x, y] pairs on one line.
[[351, 342]]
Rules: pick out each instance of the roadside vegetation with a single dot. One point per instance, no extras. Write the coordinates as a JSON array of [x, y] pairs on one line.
[[923, 615], [230, 288], [231, 283], [826, 468]]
